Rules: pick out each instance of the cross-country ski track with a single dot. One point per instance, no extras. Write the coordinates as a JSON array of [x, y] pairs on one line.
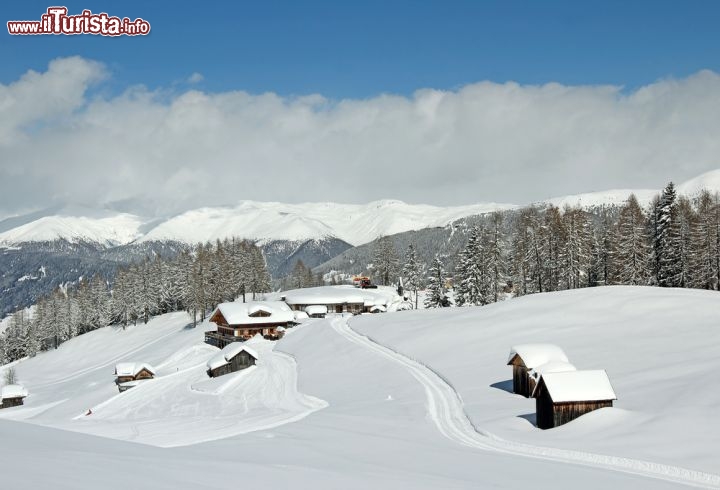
[[445, 408]]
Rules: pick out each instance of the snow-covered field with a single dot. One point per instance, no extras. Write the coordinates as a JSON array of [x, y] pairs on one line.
[[326, 407], [657, 345]]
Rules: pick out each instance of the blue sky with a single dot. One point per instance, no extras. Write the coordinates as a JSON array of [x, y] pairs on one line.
[[359, 49], [633, 103]]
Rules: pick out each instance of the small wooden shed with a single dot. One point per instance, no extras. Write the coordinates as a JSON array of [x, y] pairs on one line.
[[12, 396], [536, 373], [234, 357], [129, 374], [316, 311], [564, 396], [525, 357]]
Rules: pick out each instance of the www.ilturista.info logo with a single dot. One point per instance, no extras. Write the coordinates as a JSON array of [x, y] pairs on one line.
[[57, 21]]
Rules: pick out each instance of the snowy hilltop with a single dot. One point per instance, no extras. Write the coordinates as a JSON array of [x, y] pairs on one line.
[[355, 224]]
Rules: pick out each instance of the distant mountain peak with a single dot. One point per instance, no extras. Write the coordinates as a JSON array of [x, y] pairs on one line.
[[355, 224]]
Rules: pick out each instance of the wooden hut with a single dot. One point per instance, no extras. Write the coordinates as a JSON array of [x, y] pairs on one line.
[[536, 373], [232, 358], [316, 311], [336, 299], [12, 396], [564, 396], [237, 322], [528, 356], [130, 374]]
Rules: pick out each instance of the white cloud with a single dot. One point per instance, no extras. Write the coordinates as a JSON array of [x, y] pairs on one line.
[[486, 141], [195, 78]]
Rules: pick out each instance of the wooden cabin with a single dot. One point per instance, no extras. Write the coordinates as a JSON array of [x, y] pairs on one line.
[[525, 357], [237, 322], [564, 396], [316, 311], [12, 396], [234, 357], [536, 373], [130, 374], [336, 299]]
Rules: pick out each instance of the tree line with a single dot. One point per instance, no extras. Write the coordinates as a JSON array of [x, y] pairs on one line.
[[675, 242], [195, 280]]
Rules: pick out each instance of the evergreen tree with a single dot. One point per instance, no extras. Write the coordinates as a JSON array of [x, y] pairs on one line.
[[576, 248], [385, 260], [687, 251], [707, 243], [470, 272], [633, 249], [666, 243], [300, 275], [436, 296], [494, 262], [412, 272]]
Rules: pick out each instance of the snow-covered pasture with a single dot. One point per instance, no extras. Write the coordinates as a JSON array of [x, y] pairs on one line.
[[180, 406], [658, 346], [363, 417]]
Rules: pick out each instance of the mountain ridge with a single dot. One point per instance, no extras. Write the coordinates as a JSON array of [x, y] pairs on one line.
[[264, 222]]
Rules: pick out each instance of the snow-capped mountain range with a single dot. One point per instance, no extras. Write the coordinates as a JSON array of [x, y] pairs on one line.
[[265, 221]]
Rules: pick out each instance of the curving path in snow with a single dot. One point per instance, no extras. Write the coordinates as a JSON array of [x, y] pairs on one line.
[[445, 408], [186, 407]]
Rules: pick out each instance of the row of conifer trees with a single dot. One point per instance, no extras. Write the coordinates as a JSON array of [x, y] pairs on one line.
[[195, 281]]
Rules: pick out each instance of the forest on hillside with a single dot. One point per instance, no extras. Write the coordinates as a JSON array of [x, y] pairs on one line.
[[675, 242]]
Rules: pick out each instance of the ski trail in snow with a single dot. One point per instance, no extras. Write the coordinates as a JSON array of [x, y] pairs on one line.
[[109, 362], [445, 408]]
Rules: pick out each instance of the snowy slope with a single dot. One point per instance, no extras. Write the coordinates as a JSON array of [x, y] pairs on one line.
[[266, 221], [709, 180], [654, 343], [377, 428], [75, 224], [615, 197], [353, 223], [181, 406]]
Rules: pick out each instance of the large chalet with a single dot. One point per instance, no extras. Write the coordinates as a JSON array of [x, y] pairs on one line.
[[241, 321]]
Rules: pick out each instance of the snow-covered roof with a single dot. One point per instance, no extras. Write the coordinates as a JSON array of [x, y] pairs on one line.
[[13, 391], [259, 307], [534, 355], [551, 367], [236, 313], [316, 309], [379, 308], [301, 315], [225, 356], [324, 295], [132, 368], [576, 386]]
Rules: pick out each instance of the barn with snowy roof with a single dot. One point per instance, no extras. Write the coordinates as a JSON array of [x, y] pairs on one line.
[[535, 373], [337, 299], [130, 374], [234, 357], [525, 357], [12, 396], [564, 396], [241, 321]]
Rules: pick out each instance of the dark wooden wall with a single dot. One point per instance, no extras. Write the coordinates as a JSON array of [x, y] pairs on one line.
[[544, 410], [11, 402], [520, 381], [549, 414], [241, 361]]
